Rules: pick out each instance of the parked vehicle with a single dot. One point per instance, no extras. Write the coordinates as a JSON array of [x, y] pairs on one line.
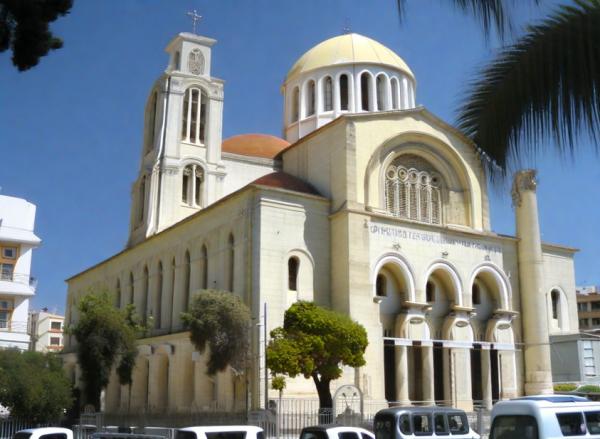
[[221, 432], [44, 433], [335, 431], [545, 417], [423, 423]]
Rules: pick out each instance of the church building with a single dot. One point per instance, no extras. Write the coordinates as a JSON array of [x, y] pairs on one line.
[[369, 205]]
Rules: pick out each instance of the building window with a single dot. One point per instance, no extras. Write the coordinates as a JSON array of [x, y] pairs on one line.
[[476, 294], [158, 299], [204, 268], [196, 62], [595, 306], [293, 266], [583, 323], [589, 362], [413, 190], [555, 297], [9, 252], [56, 326], [142, 198], [328, 94], [310, 98], [145, 295], [381, 93], [344, 90], [430, 292], [192, 185], [177, 60], [55, 341], [131, 287], [186, 281], [596, 322], [394, 84], [118, 294], [6, 308], [582, 306], [6, 271], [230, 262], [295, 104], [365, 87], [381, 285], [194, 116], [151, 124]]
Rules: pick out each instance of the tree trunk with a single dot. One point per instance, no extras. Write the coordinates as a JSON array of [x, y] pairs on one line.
[[325, 400]]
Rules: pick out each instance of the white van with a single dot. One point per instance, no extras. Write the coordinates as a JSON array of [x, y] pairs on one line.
[[545, 417], [44, 433], [221, 432]]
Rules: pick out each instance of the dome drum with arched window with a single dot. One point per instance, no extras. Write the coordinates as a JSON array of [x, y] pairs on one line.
[[345, 74]]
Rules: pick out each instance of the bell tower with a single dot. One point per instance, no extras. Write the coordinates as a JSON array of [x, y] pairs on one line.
[[181, 170]]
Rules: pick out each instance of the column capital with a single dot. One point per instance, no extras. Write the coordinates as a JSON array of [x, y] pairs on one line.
[[523, 180]]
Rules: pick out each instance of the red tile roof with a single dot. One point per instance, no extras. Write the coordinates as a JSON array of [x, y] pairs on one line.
[[283, 180], [256, 145]]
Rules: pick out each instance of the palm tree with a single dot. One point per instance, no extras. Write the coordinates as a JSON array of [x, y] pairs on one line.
[[543, 87]]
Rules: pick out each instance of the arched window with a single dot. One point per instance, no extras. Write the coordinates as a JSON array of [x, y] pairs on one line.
[[295, 104], [204, 267], [381, 285], [142, 199], [151, 124], [118, 294], [131, 287], [394, 83], [476, 294], [172, 288], [192, 186], [328, 94], [230, 262], [177, 60], [310, 98], [381, 93], [194, 116], [186, 281], [430, 292], [293, 266], [413, 190], [158, 298], [365, 88], [145, 294], [555, 297], [344, 90], [196, 62]]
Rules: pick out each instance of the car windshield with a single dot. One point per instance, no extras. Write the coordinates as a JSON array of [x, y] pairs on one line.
[[513, 427], [22, 435]]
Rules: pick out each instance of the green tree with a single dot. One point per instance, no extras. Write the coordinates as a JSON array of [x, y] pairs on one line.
[[543, 87], [105, 336], [24, 29], [219, 321], [33, 386], [316, 343]]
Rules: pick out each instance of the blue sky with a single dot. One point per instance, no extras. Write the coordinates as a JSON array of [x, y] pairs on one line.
[[70, 129]]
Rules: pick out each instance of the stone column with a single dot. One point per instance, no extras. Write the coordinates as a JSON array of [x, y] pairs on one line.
[[428, 380], [158, 392], [486, 378], [204, 395], [181, 382], [538, 373], [402, 375], [112, 398], [139, 387], [460, 379]]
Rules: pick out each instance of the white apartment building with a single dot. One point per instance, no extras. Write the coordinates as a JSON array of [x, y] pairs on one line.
[[17, 240], [46, 331]]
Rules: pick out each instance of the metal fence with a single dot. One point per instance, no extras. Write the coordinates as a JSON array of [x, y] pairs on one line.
[[9, 426]]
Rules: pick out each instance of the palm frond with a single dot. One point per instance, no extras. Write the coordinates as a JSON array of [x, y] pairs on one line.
[[546, 86], [492, 14]]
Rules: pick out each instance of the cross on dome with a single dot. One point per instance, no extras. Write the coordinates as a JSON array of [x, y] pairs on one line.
[[195, 19]]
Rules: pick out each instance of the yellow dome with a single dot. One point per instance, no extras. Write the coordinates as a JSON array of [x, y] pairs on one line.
[[347, 49]]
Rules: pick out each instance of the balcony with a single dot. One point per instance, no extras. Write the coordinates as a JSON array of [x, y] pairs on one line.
[[17, 283], [13, 334]]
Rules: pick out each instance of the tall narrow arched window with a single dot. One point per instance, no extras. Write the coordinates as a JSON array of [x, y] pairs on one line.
[[151, 122], [145, 294], [158, 298], [344, 91], [295, 105], [194, 116], [172, 288], [293, 268], [118, 294], [381, 285], [381, 93], [413, 190], [142, 199], [310, 98], [327, 94], [186, 280], [430, 292], [476, 294], [365, 89], [204, 267], [394, 86], [555, 297], [131, 287], [230, 262], [192, 185]]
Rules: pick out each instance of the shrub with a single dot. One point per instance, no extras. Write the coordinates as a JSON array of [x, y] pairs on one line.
[[565, 387]]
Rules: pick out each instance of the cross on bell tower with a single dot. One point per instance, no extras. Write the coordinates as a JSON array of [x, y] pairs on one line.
[[195, 19]]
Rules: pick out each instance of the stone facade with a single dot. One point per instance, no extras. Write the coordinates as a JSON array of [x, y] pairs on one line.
[[386, 215]]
